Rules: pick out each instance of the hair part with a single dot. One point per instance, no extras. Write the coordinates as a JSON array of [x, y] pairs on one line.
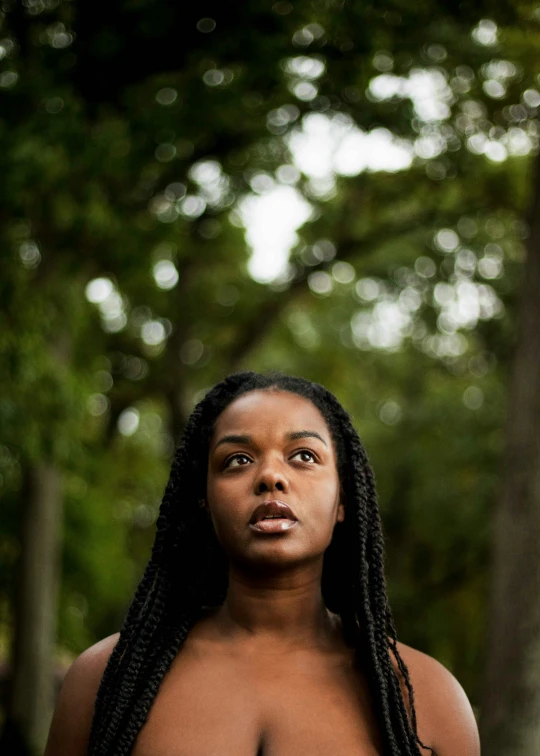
[[167, 604]]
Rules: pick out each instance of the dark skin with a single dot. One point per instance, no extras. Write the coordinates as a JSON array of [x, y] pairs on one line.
[[269, 671]]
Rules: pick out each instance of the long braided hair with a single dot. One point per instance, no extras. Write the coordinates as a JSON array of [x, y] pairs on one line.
[[188, 572]]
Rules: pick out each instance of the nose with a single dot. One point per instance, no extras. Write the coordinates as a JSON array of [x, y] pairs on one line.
[[271, 478]]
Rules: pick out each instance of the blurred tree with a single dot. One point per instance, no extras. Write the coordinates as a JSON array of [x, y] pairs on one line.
[[131, 136], [510, 722]]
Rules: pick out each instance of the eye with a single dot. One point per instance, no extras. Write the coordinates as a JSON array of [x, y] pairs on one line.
[[237, 460], [305, 455]]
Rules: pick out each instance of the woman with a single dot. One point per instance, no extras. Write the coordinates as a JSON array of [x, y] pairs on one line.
[[261, 625]]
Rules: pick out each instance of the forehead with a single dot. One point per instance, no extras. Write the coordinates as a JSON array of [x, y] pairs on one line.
[[270, 411]]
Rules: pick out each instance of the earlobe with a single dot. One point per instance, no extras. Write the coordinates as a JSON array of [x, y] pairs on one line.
[[341, 504]]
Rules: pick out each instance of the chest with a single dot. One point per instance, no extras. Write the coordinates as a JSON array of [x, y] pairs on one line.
[[268, 707]]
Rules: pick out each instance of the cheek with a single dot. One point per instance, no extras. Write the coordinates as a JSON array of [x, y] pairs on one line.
[[223, 497], [216, 488], [328, 491], [323, 502], [222, 492], [217, 503]]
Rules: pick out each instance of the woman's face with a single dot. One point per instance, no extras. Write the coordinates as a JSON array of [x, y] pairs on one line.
[[273, 489]]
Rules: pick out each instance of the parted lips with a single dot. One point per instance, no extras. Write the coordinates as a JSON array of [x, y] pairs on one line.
[[274, 508]]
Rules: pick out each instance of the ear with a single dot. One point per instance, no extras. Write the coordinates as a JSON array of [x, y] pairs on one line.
[[341, 506]]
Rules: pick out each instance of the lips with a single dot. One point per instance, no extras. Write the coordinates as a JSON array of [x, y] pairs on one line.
[[272, 509]]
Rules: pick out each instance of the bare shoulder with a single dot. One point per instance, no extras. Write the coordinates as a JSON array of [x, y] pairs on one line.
[[445, 718], [72, 719]]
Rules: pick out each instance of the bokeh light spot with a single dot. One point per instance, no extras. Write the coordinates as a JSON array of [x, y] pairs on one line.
[[473, 397], [320, 282], [390, 413], [206, 25], [97, 404], [165, 275], [531, 97], [446, 240], [29, 254], [128, 422], [425, 267], [8, 79], [367, 289], [191, 351], [166, 96], [98, 290], [153, 332], [343, 272], [485, 33]]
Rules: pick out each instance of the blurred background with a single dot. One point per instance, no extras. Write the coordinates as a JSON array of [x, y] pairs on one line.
[[341, 190]]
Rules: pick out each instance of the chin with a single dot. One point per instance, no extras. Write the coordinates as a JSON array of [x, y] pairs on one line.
[[277, 557]]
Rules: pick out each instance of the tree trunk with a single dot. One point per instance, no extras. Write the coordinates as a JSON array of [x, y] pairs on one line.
[[510, 721], [32, 694]]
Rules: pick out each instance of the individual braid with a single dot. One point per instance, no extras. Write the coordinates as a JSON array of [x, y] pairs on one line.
[[166, 605]]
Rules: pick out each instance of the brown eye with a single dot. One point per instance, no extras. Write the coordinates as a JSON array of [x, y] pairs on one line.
[[237, 460], [305, 456]]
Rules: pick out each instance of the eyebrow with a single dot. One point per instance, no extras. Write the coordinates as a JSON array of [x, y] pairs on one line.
[[238, 439], [233, 439], [305, 434]]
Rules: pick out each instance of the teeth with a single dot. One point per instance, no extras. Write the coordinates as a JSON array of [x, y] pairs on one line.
[[273, 517]]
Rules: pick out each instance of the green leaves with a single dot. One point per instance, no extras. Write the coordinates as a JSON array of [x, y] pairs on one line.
[[129, 142]]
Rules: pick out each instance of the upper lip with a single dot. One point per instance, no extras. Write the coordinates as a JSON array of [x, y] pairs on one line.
[[273, 507]]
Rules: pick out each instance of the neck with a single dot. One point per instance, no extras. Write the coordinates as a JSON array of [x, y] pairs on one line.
[[287, 608]]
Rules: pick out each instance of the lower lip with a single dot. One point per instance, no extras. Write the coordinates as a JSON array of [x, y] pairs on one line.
[[278, 525]]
